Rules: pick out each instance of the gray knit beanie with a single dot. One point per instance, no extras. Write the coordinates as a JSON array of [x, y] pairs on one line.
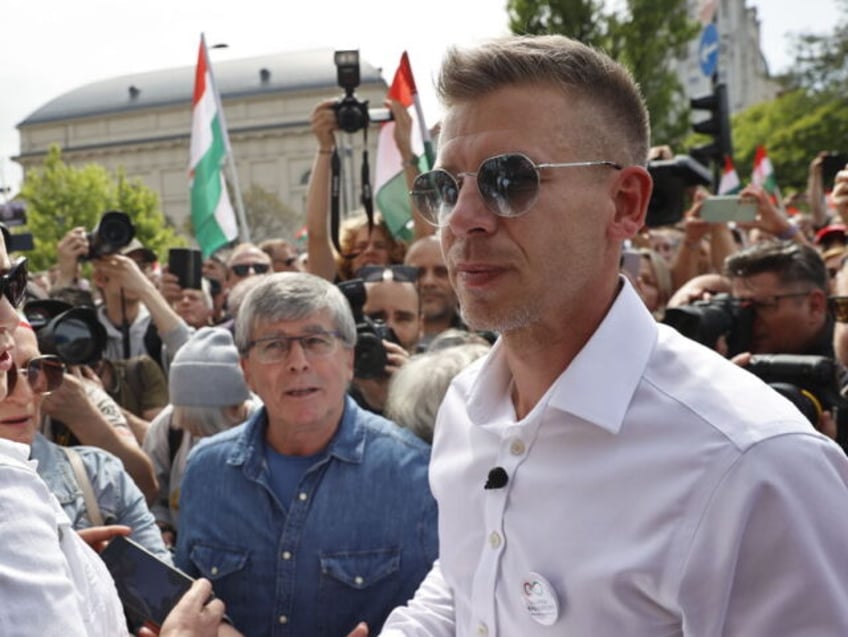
[[205, 371]]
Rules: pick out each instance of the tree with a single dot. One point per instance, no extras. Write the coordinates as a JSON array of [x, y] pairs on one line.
[[268, 217], [59, 197], [821, 59], [643, 36]]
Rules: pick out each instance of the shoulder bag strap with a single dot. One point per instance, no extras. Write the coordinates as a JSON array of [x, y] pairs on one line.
[[84, 484]]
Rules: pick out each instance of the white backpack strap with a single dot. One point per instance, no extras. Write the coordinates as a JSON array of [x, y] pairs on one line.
[[85, 485]]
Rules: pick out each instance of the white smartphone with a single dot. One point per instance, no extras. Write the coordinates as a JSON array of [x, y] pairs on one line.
[[723, 208]]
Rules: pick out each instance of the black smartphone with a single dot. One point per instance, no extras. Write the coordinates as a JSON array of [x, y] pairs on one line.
[[148, 587], [833, 162], [187, 264]]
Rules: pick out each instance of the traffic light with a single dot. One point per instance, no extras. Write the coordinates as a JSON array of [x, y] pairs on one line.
[[717, 126]]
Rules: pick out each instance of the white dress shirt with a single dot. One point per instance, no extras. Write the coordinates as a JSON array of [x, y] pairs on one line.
[[655, 490], [51, 582]]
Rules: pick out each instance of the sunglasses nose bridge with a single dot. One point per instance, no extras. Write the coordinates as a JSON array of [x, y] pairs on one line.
[[471, 210]]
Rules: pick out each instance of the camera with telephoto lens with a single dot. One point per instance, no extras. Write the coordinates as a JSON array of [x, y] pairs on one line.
[[114, 231], [353, 115], [74, 334], [707, 321], [811, 383], [369, 357]]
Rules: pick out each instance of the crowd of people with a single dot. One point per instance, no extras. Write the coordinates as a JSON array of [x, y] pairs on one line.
[[540, 412]]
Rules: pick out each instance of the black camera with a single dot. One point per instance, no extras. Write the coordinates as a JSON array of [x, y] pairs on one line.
[[114, 231], [672, 178], [811, 383], [72, 333], [369, 358], [707, 321], [353, 115]]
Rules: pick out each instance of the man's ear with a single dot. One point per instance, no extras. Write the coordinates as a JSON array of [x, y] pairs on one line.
[[632, 193], [818, 302]]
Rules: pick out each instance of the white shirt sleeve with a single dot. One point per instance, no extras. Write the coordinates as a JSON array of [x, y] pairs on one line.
[[429, 614], [780, 567]]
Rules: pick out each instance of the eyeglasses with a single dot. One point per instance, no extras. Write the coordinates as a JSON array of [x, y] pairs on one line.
[[839, 307], [43, 373], [243, 269], [508, 184], [13, 283], [275, 349], [377, 273], [768, 302]]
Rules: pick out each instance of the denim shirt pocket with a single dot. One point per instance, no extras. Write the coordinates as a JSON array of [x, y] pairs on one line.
[[361, 569], [215, 562]]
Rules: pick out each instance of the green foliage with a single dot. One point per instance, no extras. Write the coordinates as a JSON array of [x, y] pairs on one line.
[[644, 36], [59, 197], [268, 217], [793, 128]]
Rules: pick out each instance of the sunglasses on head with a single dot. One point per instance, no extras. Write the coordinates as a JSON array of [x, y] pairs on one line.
[[43, 373], [377, 273], [13, 283], [243, 269], [508, 184]]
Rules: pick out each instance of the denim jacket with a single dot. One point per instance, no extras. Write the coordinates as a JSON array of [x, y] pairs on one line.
[[119, 499], [355, 541]]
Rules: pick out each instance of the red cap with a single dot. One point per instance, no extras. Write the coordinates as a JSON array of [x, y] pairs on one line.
[[828, 233]]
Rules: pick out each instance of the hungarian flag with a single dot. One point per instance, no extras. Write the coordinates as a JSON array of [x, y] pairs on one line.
[[212, 214], [729, 183], [389, 180], [763, 174]]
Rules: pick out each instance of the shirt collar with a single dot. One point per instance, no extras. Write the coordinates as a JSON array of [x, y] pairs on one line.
[[348, 443], [598, 384]]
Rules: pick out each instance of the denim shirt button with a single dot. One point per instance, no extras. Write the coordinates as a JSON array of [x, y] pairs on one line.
[[358, 580], [214, 570], [286, 555], [283, 619], [301, 496]]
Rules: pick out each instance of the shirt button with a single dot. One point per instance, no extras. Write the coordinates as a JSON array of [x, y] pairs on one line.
[[495, 539], [482, 629], [517, 447], [302, 496], [286, 555], [358, 580], [283, 619], [214, 570]]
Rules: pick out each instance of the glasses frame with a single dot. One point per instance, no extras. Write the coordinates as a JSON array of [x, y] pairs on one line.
[[839, 308], [771, 302], [247, 267], [288, 340], [433, 218], [36, 365], [16, 276], [380, 273]]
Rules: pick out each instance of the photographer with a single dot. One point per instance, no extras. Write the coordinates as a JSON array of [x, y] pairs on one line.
[[359, 246], [388, 327]]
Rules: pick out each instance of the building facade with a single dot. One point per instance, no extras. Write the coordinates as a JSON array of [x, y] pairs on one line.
[[142, 123]]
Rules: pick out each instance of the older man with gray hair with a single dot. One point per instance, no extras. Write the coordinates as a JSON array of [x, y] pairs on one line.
[[314, 514]]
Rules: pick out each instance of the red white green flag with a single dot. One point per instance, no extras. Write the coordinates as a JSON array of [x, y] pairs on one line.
[[729, 183], [212, 213], [389, 180], [763, 174]]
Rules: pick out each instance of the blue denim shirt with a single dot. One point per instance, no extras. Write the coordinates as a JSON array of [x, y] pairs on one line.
[[119, 499], [355, 541]]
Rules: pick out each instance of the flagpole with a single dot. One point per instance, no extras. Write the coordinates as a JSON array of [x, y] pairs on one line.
[[429, 153], [244, 230]]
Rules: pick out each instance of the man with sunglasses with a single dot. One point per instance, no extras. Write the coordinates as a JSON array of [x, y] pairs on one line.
[[314, 513], [597, 473]]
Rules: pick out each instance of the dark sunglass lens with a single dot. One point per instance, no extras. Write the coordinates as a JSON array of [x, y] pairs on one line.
[[435, 194], [508, 184], [240, 270], [14, 282], [260, 268], [45, 374]]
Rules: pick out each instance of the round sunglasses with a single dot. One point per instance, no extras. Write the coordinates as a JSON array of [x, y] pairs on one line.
[[44, 374], [508, 184]]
